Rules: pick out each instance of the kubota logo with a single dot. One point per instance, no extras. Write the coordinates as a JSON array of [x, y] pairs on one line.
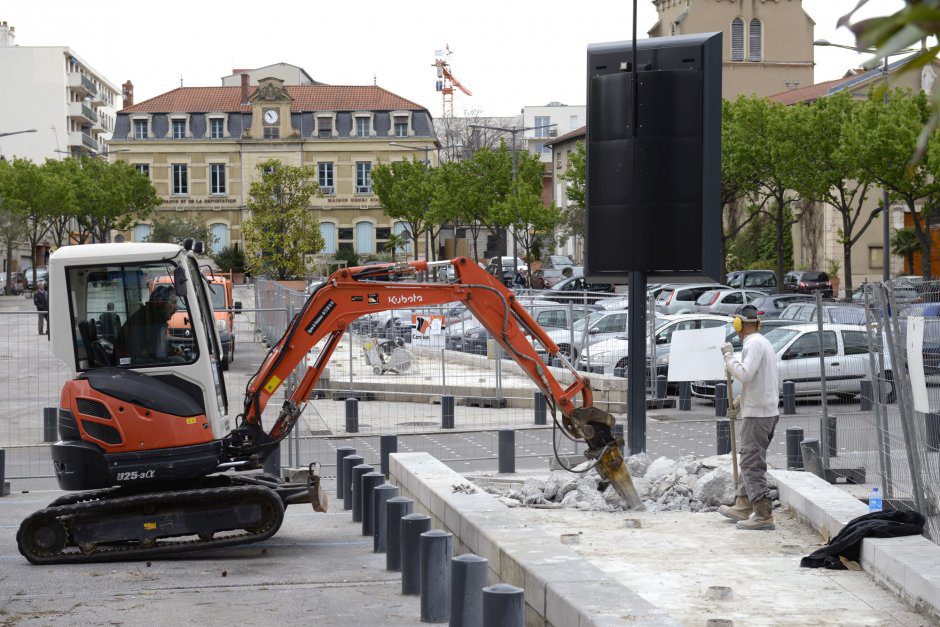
[[405, 300]]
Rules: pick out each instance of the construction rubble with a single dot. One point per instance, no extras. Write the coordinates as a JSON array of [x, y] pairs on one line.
[[687, 484]]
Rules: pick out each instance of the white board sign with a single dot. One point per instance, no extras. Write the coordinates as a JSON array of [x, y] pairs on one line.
[[915, 363], [695, 354]]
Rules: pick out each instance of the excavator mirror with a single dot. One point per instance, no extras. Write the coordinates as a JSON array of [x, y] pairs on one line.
[[179, 280]]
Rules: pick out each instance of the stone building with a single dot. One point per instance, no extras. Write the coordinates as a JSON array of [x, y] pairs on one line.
[[201, 146]]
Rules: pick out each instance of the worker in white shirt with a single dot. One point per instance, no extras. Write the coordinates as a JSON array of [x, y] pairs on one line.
[[757, 372]]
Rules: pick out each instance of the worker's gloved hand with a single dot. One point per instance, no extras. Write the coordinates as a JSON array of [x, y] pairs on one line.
[[727, 349], [736, 403]]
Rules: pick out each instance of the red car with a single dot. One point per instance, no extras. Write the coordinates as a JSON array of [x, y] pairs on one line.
[[807, 282]]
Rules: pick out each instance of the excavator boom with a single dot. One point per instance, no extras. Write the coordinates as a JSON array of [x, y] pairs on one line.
[[353, 292]]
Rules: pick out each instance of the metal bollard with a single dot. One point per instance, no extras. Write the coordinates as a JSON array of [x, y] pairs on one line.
[[723, 436], [3, 472], [272, 463], [794, 455], [467, 580], [436, 549], [388, 443], [447, 412], [356, 492], [617, 432], [541, 409], [933, 431], [661, 384], [380, 497], [812, 457], [507, 451], [349, 462], [833, 433], [341, 452], [370, 481], [721, 399], [412, 526], [503, 606], [789, 398], [398, 507], [50, 426], [685, 396], [865, 396], [352, 415]]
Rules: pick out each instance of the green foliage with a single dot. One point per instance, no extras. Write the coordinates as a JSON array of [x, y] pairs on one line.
[[575, 176], [904, 243], [281, 230], [349, 256], [405, 189], [230, 259], [173, 230]]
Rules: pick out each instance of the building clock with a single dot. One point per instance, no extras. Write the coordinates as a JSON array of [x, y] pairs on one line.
[[270, 116]]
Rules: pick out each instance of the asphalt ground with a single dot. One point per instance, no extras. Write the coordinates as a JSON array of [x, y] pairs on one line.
[[317, 570]]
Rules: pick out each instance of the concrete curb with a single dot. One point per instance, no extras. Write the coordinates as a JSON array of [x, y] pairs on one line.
[[561, 588], [909, 565]]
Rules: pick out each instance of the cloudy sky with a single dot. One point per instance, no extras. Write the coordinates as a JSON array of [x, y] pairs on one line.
[[508, 53]]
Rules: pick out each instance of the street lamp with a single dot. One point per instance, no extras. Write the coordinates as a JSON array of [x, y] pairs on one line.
[[29, 130], [513, 131], [886, 227]]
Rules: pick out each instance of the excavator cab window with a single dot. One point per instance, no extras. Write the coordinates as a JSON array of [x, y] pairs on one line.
[[120, 315]]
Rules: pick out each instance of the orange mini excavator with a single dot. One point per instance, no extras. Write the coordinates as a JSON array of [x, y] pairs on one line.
[[145, 439]]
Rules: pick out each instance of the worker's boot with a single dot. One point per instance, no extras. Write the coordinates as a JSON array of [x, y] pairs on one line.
[[741, 509], [762, 518]]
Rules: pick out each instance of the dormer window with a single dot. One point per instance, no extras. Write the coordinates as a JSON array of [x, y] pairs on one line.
[[362, 127], [401, 126], [140, 129], [179, 128], [216, 128], [324, 126]]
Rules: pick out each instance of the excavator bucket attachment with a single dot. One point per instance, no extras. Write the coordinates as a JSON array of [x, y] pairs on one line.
[[315, 489], [612, 467]]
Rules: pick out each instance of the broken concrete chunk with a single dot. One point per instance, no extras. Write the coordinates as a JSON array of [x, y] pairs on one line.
[[715, 487], [660, 469], [637, 464]]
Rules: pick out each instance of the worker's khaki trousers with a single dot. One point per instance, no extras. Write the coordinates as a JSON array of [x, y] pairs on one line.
[[755, 437]]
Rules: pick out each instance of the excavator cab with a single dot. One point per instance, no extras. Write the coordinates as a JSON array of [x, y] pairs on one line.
[[140, 395]]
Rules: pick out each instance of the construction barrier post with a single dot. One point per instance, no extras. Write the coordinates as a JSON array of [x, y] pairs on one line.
[[467, 580], [503, 605], [388, 443], [436, 547], [723, 436], [794, 455], [380, 498], [341, 452], [412, 526], [540, 409], [685, 396], [398, 507], [507, 451], [447, 412], [789, 398], [349, 462], [370, 481], [357, 473], [721, 399], [352, 415]]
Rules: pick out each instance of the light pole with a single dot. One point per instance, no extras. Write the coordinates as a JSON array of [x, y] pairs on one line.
[[513, 131], [886, 213], [29, 130]]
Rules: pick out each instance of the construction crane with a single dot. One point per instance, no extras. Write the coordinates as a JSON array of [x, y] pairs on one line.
[[446, 81]]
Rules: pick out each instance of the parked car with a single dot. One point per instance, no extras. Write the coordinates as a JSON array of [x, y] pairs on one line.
[[610, 356], [597, 327], [725, 301], [42, 274], [678, 298], [18, 283], [807, 282], [502, 268], [614, 302], [837, 313], [577, 289], [762, 280], [554, 269], [770, 307], [845, 352], [904, 293]]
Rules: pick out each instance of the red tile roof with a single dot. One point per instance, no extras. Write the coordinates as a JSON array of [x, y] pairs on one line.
[[306, 98], [808, 94], [578, 132]]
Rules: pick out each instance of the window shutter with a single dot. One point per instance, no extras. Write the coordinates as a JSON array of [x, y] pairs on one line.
[[328, 231], [364, 238], [754, 41], [737, 39]]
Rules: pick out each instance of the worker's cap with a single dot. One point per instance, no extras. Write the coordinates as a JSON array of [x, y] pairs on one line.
[[748, 313], [163, 293]]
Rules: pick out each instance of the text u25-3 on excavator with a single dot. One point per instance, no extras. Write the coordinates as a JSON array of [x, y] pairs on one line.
[[146, 447]]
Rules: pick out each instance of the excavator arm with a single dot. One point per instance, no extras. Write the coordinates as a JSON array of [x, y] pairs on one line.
[[353, 292]]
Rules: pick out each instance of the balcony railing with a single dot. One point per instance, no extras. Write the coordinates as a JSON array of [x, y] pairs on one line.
[[82, 84], [83, 139], [82, 112]]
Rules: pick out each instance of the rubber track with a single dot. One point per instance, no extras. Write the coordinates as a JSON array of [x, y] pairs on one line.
[[164, 547]]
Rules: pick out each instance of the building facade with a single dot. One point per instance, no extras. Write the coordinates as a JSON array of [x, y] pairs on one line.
[[201, 147], [51, 89], [565, 119], [562, 148], [767, 44]]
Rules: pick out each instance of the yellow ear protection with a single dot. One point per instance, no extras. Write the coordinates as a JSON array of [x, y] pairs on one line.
[[747, 313]]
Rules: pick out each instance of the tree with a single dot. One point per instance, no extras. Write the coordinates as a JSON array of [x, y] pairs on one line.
[[461, 141], [839, 179], [904, 243], [12, 213], [884, 139], [736, 180], [110, 197], [394, 243], [173, 230], [405, 189], [576, 178], [230, 259], [37, 197], [281, 230]]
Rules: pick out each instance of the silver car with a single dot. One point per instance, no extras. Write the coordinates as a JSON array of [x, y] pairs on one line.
[[679, 298], [725, 301]]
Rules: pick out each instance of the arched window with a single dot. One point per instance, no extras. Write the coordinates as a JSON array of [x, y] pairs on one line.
[[755, 41], [219, 233], [737, 39], [328, 231], [142, 232], [364, 241], [400, 228]]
